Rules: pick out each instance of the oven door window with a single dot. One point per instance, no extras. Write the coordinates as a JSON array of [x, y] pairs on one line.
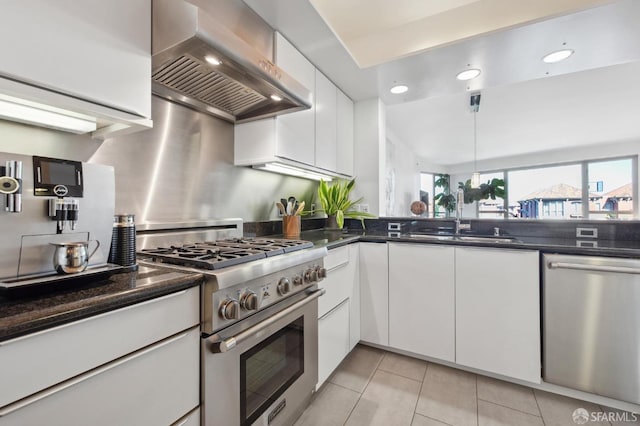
[[269, 368]]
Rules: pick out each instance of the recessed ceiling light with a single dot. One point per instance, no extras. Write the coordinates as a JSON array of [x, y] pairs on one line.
[[276, 98], [557, 56], [399, 88], [212, 60], [468, 74]]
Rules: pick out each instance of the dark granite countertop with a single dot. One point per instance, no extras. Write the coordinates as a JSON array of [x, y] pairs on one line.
[[585, 246], [22, 314]]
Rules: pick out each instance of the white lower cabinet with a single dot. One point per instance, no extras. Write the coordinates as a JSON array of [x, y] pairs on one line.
[[138, 365], [422, 299], [354, 305], [374, 293], [154, 386], [333, 340], [498, 311], [338, 309]]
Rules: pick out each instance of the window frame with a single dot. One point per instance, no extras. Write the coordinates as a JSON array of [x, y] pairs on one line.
[[584, 164]]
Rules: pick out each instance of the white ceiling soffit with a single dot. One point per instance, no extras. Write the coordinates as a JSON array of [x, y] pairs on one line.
[[378, 31], [592, 107]]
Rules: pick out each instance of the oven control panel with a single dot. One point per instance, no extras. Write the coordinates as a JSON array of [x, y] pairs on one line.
[[236, 303]]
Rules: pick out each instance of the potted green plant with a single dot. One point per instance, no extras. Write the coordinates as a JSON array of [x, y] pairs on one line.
[[492, 189], [335, 202], [444, 199]]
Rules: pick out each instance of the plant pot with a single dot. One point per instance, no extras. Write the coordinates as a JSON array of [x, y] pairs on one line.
[[291, 226], [332, 222]]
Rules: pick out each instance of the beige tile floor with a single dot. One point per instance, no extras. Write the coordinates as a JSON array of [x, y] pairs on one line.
[[374, 387]]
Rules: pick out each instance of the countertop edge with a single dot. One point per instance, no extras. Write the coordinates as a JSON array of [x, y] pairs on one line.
[[86, 308]]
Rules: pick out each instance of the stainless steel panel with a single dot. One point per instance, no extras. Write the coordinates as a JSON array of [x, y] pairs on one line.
[[182, 170], [591, 333], [241, 84]]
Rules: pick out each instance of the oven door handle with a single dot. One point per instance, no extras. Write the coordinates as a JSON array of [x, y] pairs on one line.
[[225, 345]]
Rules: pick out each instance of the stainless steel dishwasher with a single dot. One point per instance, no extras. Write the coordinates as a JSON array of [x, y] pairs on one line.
[[591, 324]]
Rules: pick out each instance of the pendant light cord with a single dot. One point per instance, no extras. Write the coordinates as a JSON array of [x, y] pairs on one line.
[[475, 142]]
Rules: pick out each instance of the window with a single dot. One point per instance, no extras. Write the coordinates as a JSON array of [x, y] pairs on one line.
[[611, 189], [593, 189], [426, 192], [493, 209], [546, 192]]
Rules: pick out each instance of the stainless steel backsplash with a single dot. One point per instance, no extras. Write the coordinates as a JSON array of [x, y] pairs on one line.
[[180, 170]]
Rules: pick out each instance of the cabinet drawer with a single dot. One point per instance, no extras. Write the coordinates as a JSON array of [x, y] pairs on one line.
[[338, 289], [191, 419], [39, 360], [336, 258], [154, 386], [333, 340]]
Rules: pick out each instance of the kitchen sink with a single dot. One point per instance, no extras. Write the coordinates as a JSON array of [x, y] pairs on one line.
[[470, 238], [485, 239]]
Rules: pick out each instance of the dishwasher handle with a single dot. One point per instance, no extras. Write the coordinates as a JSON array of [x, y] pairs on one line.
[[595, 268]]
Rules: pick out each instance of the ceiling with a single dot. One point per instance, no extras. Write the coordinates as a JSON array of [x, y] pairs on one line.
[[377, 31], [527, 105]]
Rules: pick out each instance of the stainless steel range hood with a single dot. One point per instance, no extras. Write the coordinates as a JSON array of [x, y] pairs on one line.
[[204, 57]]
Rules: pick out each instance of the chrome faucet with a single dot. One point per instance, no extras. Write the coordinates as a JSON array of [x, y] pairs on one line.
[[459, 202]]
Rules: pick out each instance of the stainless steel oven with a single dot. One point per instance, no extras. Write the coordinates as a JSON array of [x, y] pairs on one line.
[[259, 349], [263, 371]]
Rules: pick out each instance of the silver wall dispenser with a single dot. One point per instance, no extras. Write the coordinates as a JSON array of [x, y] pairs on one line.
[[26, 251]]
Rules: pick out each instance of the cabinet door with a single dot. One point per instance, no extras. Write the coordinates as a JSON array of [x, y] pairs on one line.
[[333, 340], [326, 131], [422, 299], [498, 311], [94, 50], [374, 293], [296, 131], [344, 145], [354, 304]]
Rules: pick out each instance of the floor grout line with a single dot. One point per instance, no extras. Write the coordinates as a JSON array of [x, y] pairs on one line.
[[538, 404], [510, 408], [477, 405], [365, 388], [415, 407]]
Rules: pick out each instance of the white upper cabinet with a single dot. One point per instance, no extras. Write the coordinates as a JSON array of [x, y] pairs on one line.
[[344, 142], [498, 311], [326, 123], [319, 139], [296, 131], [90, 57]]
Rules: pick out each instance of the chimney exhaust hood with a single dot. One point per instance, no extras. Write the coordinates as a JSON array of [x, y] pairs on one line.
[[202, 59]]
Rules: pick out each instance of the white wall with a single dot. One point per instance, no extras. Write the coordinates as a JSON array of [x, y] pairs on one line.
[[402, 177], [370, 154]]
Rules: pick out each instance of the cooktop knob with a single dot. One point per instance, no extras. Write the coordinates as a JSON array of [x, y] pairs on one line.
[[321, 272], [230, 309], [310, 275], [249, 301], [284, 286], [297, 280]]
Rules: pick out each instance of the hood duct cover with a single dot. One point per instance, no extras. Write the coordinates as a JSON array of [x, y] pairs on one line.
[[243, 84]]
